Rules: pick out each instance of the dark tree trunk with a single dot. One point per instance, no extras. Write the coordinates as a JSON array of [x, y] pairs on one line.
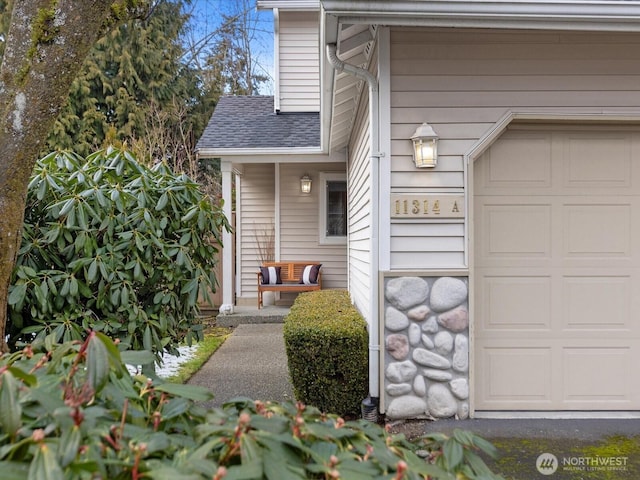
[[47, 43]]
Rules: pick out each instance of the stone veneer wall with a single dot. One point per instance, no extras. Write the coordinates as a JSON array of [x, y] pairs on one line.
[[426, 352]]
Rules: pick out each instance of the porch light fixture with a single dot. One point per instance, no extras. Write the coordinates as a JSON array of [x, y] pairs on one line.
[[425, 146], [305, 184]]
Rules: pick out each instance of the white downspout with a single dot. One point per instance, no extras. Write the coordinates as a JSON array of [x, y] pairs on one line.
[[374, 336]]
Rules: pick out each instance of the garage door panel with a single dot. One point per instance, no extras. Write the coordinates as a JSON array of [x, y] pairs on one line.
[[515, 302], [597, 230], [521, 161], [598, 161], [595, 375], [520, 377], [597, 303], [520, 231]]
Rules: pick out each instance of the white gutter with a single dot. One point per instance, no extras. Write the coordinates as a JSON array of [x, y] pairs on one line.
[[600, 15], [374, 327], [222, 152], [289, 4]]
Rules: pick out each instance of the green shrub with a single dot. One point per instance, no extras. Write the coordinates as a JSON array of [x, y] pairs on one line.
[[113, 246], [72, 411], [326, 341]]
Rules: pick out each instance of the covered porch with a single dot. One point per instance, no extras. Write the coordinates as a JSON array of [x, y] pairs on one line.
[[264, 156]]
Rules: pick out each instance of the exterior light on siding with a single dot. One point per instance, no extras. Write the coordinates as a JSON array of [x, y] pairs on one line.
[[425, 146], [305, 184]]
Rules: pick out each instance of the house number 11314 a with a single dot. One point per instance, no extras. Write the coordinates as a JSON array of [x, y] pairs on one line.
[[408, 205]]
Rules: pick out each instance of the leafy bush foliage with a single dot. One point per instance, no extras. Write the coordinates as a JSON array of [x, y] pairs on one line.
[[113, 246], [72, 411], [326, 342]]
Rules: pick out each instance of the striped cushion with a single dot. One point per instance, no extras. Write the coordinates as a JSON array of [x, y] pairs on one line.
[[310, 274], [270, 275]]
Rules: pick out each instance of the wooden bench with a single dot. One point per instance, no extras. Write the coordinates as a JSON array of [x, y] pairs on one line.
[[290, 273]]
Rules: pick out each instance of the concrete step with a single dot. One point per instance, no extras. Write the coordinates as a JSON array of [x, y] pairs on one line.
[[244, 315]]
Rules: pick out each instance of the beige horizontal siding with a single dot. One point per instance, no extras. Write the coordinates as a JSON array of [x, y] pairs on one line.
[[359, 182], [299, 62], [462, 82], [299, 223], [258, 215]]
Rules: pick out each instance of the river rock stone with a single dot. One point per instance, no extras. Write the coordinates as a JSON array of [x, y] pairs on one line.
[[427, 342], [441, 402], [463, 411], [456, 320], [407, 406], [460, 388], [395, 320], [406, 292], [437, 375], [461, 354], [419, 313], [398, 346], [414, 334], [419, 386], [447, 293], [443, 342], [397, 389], [401, 372], [430, 359], [431, 325]]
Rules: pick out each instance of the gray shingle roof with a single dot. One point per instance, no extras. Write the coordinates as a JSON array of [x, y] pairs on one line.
[[250, 122]]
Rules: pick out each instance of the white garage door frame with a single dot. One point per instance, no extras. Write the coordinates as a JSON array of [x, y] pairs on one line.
[[470, 157]]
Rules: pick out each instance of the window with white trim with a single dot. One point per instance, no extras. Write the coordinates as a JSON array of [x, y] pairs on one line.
[[333, 208]]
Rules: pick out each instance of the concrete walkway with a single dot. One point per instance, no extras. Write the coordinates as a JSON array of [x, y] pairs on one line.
[[251, 363]]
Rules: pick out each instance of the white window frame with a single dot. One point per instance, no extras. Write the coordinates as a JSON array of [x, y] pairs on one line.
[[326, 177]]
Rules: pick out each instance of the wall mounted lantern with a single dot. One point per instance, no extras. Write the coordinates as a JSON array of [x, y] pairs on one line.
[[425, 146], [305, 184]]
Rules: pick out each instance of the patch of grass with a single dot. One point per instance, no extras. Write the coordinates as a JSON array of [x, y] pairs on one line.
[[213, 338]]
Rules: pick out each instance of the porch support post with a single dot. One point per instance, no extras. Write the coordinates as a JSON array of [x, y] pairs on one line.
[[227, 240]]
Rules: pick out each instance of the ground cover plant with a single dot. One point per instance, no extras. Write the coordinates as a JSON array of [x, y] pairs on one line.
[[72, 411], [114, 246]]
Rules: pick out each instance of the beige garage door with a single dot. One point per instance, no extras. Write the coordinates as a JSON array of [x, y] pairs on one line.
[[557, 270]]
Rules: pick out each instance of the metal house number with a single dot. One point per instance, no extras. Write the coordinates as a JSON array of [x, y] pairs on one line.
[[408, 205]]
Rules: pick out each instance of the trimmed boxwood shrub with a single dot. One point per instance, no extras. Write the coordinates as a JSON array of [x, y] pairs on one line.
[[326, 343]]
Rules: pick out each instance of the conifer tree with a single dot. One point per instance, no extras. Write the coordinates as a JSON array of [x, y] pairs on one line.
[[130, 71]]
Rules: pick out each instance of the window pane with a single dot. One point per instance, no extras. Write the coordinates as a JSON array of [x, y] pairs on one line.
[[336, 209]]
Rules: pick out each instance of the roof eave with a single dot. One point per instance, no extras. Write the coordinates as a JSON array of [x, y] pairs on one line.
[[242, 152], [313, 5], [594, 15], [280, 156], [573, 15]]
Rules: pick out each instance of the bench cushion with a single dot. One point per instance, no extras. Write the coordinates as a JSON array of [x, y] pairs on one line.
[[309, 274], [271, 275]]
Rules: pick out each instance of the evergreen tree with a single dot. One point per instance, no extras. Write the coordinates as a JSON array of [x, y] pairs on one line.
[[132, 70]]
